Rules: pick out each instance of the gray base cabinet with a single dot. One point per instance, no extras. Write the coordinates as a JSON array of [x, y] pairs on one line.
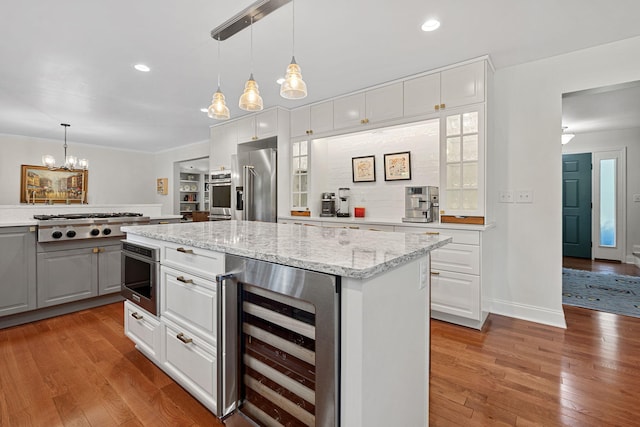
[[17, 270]]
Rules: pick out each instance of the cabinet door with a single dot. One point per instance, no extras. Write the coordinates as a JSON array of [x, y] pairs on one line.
[[18, 270], [462, 157], [384, 103], [224, 140], [422, 95], [266, 124], [349, 111], [191, 362], [300, 120], [189, 301], [321, 117], [463, 85], [246, 128], [455, 293], [109, 262], [65, 276], [143, 329]]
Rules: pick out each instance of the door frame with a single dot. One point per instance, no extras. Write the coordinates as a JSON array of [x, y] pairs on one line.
[[621, 199]]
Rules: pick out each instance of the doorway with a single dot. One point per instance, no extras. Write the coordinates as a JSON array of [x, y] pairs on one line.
[[576, 205]]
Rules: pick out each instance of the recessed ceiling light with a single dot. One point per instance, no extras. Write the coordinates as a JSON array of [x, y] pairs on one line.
[[280, 80], [204, 110], [142, 67], [431, 25]]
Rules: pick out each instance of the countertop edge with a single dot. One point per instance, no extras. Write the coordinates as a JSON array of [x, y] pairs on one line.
[[382, 221]]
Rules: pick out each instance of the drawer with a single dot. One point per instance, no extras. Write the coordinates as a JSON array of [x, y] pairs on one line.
[[189, 301], [198, 261], [191, 362], [457, 258], [455, 293], [143, 329], [465, 237]]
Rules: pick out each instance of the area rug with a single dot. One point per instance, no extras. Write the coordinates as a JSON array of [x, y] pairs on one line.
[[612, 293]]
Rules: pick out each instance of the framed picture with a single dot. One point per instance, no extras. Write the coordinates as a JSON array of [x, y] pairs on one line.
[[397, 166], [363, 169], [39, 184], [162, 186]]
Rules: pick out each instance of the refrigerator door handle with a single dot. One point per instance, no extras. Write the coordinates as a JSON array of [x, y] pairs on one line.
[[248, 177]]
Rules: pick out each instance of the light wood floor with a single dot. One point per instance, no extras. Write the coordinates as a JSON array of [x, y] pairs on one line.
[[80, 370]]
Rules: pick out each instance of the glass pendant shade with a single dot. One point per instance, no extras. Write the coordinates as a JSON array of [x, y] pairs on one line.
[[218, 108], [251, 99], [70, 162], [48, 161], [83, 164], [293, 86]]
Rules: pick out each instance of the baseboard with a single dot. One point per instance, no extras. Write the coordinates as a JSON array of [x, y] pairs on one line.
[[528, 312]]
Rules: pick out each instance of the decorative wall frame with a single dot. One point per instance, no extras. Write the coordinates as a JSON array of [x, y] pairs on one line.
[[162, 186], [363, 169], [397, 166], [39, 184]]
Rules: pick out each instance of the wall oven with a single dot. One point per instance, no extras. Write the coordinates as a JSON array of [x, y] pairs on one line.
[[141, 275], [220, 187]]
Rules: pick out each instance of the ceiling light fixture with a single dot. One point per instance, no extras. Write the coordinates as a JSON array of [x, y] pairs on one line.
[[70, 162], [566, 137], [293, 86], [430, 25], [142, 67], [251, 99], [218, 108]]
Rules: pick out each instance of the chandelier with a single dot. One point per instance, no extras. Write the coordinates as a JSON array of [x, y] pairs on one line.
[[70, 162]]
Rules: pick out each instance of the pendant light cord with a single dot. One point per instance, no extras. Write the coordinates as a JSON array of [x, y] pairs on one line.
[[219, 64], [293, 29], [251, 25]]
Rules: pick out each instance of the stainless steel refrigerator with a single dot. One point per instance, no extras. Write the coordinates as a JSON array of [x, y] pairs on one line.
[[254, 176]]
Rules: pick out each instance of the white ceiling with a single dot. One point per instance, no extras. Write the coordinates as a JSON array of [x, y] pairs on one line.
[[71, 61]]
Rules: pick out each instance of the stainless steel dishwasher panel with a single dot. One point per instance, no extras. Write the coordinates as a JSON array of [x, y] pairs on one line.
[[280, 335]]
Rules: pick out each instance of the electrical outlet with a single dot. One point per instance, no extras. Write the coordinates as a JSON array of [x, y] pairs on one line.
[[636, 197], [524, 196], [505, 196]]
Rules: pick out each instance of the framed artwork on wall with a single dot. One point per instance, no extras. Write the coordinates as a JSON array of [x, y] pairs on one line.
[[363, 168], [39, 184], [397, 166]]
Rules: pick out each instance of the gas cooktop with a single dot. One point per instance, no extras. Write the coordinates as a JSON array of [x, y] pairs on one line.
[[86, 215]]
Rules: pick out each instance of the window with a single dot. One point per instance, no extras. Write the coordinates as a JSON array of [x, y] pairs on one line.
[[608, 203], [300, 178]]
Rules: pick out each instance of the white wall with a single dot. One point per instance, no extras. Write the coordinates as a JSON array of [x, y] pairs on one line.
[[331, 167], [115, 176], [527, 126], [164, 166], [593, 142]]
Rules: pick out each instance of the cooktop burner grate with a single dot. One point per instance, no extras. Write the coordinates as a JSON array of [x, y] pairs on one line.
[[87, 215]]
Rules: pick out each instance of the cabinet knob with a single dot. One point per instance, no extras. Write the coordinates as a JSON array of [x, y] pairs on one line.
[[436, 107], [442, 106], [95, 250], [254, 138], [311, 132]]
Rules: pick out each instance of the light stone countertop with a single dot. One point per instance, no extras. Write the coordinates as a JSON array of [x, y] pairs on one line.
[[351, 253], [386, 221]]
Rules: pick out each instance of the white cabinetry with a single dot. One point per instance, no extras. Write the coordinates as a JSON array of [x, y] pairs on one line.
[[307, 120], [373, 106], [224, 142], [143, 329], [258, 126]]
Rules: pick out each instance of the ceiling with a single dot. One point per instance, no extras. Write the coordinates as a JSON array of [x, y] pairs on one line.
[[72, 61]]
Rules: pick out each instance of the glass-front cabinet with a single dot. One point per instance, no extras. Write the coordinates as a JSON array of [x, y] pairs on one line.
[[300, 175], [462, 155]]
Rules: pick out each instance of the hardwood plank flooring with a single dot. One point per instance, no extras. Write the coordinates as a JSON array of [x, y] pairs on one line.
[[611, 267], [80, 369]]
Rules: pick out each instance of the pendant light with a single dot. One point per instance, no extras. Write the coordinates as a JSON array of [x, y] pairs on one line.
[[70, 162], [218, 108], [293, 86], [251, 99]]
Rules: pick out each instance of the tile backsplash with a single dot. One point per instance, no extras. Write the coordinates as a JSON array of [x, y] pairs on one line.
[[331, 166]]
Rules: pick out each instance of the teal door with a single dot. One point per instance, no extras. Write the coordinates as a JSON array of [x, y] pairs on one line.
[[576, 205]]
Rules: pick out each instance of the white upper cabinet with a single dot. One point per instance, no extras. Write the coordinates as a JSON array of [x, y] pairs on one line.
[[224, 140], [462, 85], [375, 105], [422, 95], [307, 120], [257, 126]]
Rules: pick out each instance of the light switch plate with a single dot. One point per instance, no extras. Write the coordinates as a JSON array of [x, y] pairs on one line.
[[524, 196], [505, 196]]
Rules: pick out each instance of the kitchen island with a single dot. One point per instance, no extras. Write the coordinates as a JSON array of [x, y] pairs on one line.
[[382, 280]]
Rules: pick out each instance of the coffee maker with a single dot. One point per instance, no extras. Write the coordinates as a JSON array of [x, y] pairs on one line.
[[328, 204], [421, 204], [343, 202]]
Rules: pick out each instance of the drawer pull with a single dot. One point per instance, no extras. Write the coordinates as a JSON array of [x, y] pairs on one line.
[[136, 316], [184, 339], [435, 273], [163, 222], [185, 251], [354, 227], [432, 233], [183, 280]]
